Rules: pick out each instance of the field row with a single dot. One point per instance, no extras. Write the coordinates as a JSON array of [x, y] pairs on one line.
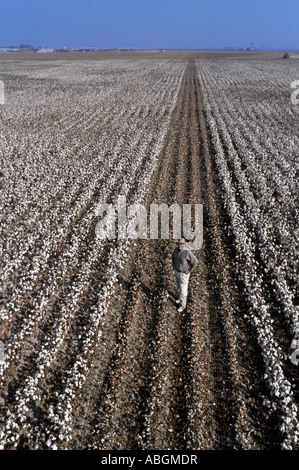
[[251, 128], [69, 143]]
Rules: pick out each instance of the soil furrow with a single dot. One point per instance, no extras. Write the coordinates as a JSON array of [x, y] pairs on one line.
[[159, 379], [191, 380]]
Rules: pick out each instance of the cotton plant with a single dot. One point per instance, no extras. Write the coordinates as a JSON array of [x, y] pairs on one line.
[[254, 160], [74, 151]]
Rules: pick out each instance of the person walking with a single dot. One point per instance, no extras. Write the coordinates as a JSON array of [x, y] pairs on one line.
[[183, 262]]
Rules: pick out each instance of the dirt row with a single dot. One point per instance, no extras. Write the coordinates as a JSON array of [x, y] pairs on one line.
[[164, 380], [159, 379]]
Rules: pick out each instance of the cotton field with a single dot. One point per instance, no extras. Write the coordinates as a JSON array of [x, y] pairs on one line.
[[95, 354]]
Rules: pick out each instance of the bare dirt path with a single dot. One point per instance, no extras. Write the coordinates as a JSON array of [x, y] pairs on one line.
[[163, 380]]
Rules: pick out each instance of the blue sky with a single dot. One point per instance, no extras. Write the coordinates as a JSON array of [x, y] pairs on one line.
[[185, 24]]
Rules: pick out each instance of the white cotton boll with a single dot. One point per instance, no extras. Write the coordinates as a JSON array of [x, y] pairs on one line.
[[295, 344], [286, 446]]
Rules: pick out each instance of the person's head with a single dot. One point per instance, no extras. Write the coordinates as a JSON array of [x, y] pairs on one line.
[[181, 243]]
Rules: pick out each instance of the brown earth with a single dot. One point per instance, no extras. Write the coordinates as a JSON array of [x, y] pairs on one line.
[[159, 379], [168, 54], [164, 380]]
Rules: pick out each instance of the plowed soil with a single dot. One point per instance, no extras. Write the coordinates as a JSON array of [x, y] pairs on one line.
[[165, 380]]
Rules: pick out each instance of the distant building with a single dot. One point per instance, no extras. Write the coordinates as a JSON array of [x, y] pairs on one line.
[[9, 49], [45, 50], [63, 49], [85, 49]]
